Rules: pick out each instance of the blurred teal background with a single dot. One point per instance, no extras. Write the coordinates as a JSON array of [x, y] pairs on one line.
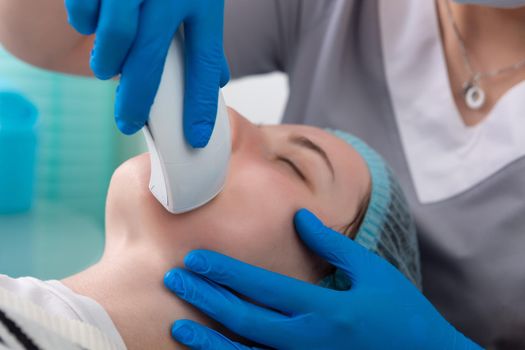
[[78, 149]]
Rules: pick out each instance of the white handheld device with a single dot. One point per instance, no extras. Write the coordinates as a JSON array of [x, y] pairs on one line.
[[183, 178]]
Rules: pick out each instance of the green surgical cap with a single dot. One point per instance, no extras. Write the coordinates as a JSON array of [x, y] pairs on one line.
[[387, 228]]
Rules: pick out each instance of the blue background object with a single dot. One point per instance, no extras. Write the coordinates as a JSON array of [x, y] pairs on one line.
[[18, 142], [77, 152]]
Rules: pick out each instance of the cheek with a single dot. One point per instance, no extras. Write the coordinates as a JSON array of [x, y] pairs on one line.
[[252, 219]]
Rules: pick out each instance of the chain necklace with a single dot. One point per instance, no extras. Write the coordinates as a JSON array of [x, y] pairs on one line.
[[473, 94]]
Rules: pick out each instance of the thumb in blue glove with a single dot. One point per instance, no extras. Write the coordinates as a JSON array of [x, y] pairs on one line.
[[132, 39], [382, 310]]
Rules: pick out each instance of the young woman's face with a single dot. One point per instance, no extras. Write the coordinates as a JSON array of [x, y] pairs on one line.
[[274, 171]]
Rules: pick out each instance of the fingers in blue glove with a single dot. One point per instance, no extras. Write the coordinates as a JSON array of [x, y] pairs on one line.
[[199, 337], [337, 249], [205, 70], [242, 317], [225, 71], [265, 287], [116, 32], [142, 71], [83, 15], [133, 37]]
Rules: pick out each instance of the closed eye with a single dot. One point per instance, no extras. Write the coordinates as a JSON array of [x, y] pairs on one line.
[[294, 168]]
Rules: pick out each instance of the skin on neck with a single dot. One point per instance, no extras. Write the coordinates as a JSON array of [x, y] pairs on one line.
[[127, 282], [494, 39], [482, 25]]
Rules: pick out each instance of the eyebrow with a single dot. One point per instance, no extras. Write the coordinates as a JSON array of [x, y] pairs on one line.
[[309, 144]]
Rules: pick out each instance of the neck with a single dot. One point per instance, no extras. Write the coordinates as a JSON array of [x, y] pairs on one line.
[[493, 37], [127, 282]]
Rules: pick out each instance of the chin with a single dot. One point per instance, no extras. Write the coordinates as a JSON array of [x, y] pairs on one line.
[[129, 202]]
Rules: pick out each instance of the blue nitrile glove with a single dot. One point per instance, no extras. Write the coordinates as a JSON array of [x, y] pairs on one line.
[[382, 310], [132, 39]]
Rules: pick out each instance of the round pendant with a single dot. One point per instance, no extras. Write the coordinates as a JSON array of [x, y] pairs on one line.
[[474, 97]]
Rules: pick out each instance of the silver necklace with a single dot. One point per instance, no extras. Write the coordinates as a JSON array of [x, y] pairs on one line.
[[473, 93]]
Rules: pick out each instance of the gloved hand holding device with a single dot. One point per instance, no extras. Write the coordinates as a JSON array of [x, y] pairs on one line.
[[382, 310], [132, 39]]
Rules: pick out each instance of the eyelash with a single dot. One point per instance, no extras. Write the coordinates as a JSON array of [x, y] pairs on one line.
[[294, 167]]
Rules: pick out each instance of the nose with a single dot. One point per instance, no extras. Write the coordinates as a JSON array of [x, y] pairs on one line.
[[233, 127], [244, 134], [236, 128]]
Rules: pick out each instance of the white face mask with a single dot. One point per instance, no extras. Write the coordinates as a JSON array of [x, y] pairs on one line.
[[508, 4]]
